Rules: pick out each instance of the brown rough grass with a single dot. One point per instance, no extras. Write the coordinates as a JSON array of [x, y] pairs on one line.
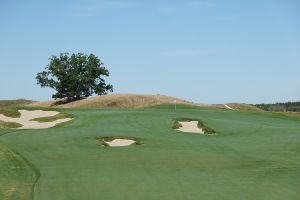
[[118, 101], [4, 124], [243, 106]]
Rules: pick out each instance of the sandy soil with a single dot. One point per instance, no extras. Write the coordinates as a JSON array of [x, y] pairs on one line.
[[27, 115], [190, 127], [120, 142]]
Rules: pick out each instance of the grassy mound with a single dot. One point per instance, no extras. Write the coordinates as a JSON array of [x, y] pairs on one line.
[[206, 129], [243, 106], [4, 124], [118, 101], [10, 113]]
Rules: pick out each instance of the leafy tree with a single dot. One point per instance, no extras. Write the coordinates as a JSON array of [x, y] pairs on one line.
[[74, 77]]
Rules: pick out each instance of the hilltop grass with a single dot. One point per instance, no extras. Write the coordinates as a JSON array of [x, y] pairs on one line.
[[10, 113], [243, 106], [116, 101], [206, 129], [17, 102], [53, 118], [294, 115], [257, 156]]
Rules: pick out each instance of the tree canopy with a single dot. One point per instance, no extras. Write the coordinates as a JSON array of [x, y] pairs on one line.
[[75, 76]]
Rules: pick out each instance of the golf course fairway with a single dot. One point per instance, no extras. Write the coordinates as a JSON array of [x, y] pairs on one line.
[[254, 155]]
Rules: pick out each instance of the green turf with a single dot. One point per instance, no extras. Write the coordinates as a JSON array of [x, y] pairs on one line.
[[255, 155]]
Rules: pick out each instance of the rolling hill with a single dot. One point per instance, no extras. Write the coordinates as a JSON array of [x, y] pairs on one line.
[[118, 101]]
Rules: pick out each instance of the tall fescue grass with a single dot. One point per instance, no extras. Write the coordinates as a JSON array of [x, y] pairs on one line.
[[17, 102], [6, 125], [10, 113]]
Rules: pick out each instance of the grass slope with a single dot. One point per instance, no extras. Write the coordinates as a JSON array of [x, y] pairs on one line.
[[243, 106], [255, 156], [10, 113], [17, 176], [4, 125], [117, 101]]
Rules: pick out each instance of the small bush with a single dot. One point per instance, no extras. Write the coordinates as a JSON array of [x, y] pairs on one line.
[[18, 102]]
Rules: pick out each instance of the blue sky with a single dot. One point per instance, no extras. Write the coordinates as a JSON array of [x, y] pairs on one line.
[[209, 51]]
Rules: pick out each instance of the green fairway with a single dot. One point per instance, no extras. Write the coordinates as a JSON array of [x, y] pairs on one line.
[[254, 155]]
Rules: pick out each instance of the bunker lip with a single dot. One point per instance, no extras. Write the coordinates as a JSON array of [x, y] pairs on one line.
[[190, 127], [28, 115]]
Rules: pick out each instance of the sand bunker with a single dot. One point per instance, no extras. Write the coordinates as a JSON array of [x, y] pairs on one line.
[[120, 142], [190, 127], [27, 115]]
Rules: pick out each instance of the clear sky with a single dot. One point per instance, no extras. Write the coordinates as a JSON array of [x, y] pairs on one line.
[[209, 51]]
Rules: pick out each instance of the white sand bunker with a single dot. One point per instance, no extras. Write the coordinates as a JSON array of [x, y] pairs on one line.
[[120, 142], [190, 127], [27, 115]]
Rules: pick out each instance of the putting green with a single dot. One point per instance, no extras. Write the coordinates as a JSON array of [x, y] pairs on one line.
[[255, 155]]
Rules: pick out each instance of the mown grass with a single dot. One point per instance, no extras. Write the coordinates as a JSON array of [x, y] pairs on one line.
[[6, 125], [10, 113], [17, 176], [53, 118], [257, 156], [206, 129]]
